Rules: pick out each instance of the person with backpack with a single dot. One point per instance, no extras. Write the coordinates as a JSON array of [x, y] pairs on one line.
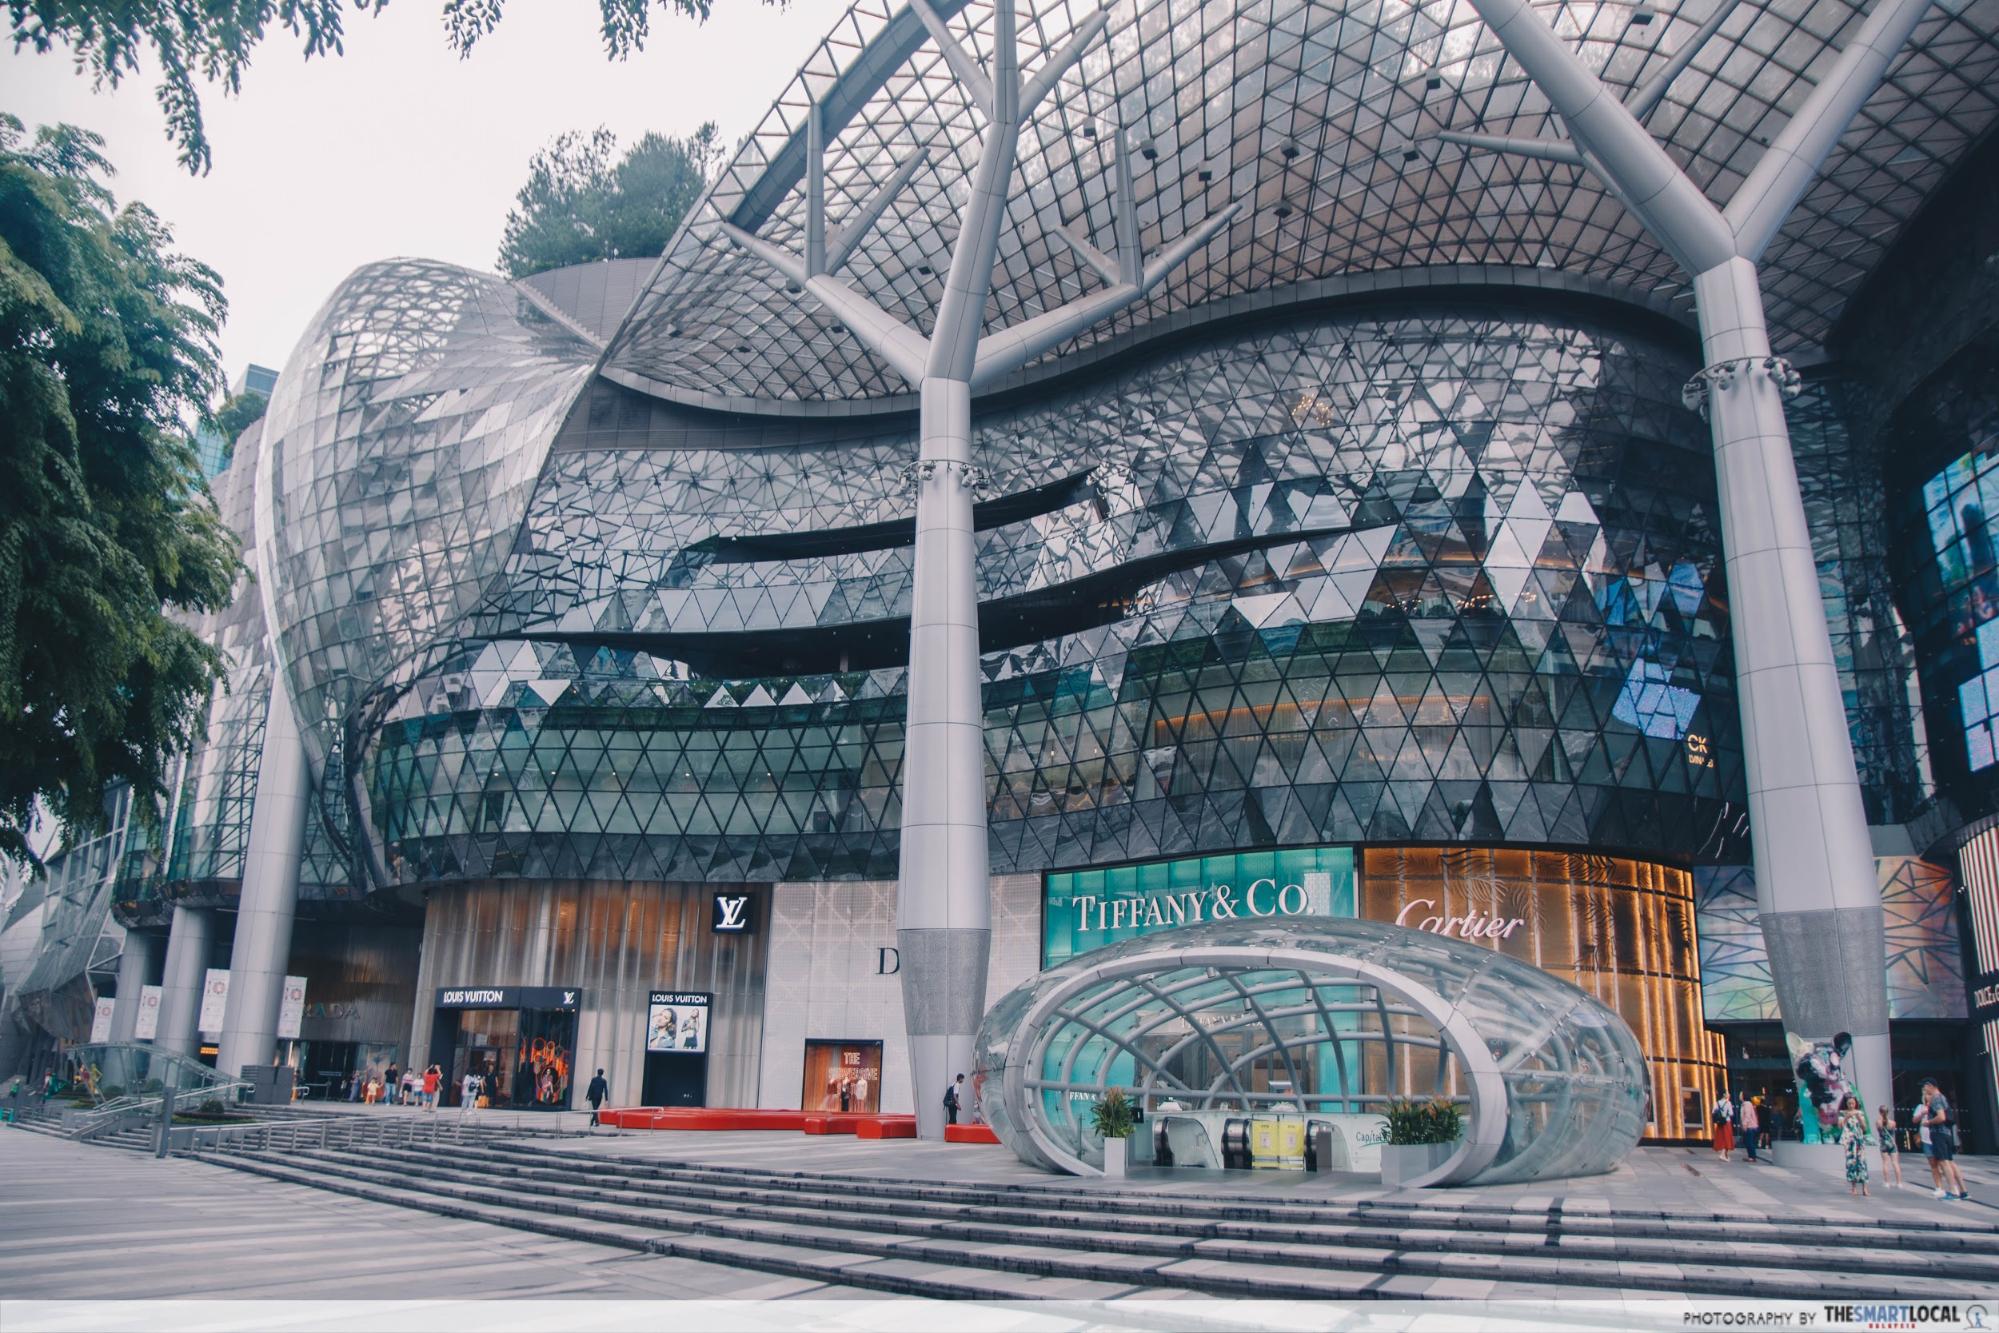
[[953, 1100], [1723, 1117]]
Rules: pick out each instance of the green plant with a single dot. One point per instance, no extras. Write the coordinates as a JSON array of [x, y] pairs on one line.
[[1434, 1121], [1113, 1115]]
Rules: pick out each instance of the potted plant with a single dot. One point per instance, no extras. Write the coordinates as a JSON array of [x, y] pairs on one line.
[[1422, 1136], [1112, 1117]]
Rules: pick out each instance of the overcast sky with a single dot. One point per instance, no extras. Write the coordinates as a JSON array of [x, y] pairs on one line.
[[400, 148]]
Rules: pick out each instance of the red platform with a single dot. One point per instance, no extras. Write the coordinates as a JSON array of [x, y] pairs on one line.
[[886, 1127], [970, 1134], [726, 1117]]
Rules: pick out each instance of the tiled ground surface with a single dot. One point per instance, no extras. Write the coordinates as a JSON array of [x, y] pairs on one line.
[[98, 1223]]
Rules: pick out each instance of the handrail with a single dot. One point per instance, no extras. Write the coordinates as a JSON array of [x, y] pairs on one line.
[[322, 1132], [131, 1109]]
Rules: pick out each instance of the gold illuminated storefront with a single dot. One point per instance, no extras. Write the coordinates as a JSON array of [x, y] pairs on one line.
[[1620, 929]]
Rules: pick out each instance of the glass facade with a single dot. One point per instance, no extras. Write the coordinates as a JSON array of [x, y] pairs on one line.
[[1620, 930], [1366, 577], [1944, 438], [1315, 1015]]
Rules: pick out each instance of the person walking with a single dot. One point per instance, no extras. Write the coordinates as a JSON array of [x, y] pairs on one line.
[[468, 1094], [1751, 1126], [1723, 1116], [1853, 1134], [1943, 1143], [953, 1099], [409, 1088], [391, 1080], [1891, 1151], [595, 1095]]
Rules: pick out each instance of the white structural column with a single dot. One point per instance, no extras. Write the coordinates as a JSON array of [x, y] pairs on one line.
[[188, 944], [136, 965], [944, 914], [264, 914], [1817, 895]]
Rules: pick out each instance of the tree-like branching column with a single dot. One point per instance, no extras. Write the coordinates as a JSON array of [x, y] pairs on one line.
[[1817, 897], [943, 913]]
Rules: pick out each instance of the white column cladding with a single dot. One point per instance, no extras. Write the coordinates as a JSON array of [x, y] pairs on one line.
[[262, 951], [943, 915], [1816, 890], [188, 944], [136, 966]]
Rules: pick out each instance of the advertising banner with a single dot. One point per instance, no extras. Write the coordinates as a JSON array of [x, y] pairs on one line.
[[100, 1022], [291, 1008], [677, 1022], [214, 1000], [148, 1026]]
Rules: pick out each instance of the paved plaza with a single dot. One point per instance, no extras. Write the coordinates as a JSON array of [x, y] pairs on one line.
[[70, 1231]]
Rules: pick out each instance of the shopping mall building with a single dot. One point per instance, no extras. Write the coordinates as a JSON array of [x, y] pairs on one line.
[[1384, 507]]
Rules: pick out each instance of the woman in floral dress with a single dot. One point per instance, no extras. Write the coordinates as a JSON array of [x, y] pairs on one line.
[[1854, 1135]]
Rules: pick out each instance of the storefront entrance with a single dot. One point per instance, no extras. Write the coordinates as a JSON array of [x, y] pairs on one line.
[[519, 1040], [842, 1076]]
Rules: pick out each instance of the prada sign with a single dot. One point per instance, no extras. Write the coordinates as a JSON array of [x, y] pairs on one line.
[[734, 914]]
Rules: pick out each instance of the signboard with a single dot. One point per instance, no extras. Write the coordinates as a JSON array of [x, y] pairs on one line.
[[1087, 909], [214, 999], [148, 1025], [100, 1022], [291, 1007], [509, 997], [734, 914], [677, 1022]]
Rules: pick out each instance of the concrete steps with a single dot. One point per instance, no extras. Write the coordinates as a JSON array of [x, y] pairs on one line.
[[990, 1238]]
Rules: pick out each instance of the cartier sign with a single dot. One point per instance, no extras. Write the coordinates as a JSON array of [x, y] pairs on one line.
[[1421, 914]]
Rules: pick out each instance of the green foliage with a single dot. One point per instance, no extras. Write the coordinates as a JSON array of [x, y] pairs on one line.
[[213, 41], [107, 350], [1111, 1116], [238, 414], [1435, 1121], [581, 203]]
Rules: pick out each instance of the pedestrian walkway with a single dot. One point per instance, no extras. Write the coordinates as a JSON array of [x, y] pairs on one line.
[[86, 1223]]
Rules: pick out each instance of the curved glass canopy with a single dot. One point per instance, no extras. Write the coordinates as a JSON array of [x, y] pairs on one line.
[[1329, 123], [1316, 1016]]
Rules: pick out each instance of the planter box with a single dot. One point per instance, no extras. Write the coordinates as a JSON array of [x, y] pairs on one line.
[[1114, 1154], [1402, 1163]]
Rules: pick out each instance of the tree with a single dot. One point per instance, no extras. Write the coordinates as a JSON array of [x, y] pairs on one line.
[[107, 351], [236, 415], [214, 41], [577, 206]]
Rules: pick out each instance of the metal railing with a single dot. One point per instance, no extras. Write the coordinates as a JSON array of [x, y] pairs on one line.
[[337, 1131], [123, 1112]]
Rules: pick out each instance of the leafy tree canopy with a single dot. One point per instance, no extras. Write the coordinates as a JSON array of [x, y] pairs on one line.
[[210, 41], [107, 351], [582, 203], [238, 413]]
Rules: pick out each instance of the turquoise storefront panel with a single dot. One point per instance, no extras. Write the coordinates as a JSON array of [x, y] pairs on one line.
[[1083, 910]]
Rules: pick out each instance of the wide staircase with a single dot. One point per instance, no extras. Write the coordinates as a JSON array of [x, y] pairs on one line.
[[1012, 1242]]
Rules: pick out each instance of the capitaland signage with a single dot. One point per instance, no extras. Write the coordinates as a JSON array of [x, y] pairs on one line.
[[1087, 909], [509, 997]]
